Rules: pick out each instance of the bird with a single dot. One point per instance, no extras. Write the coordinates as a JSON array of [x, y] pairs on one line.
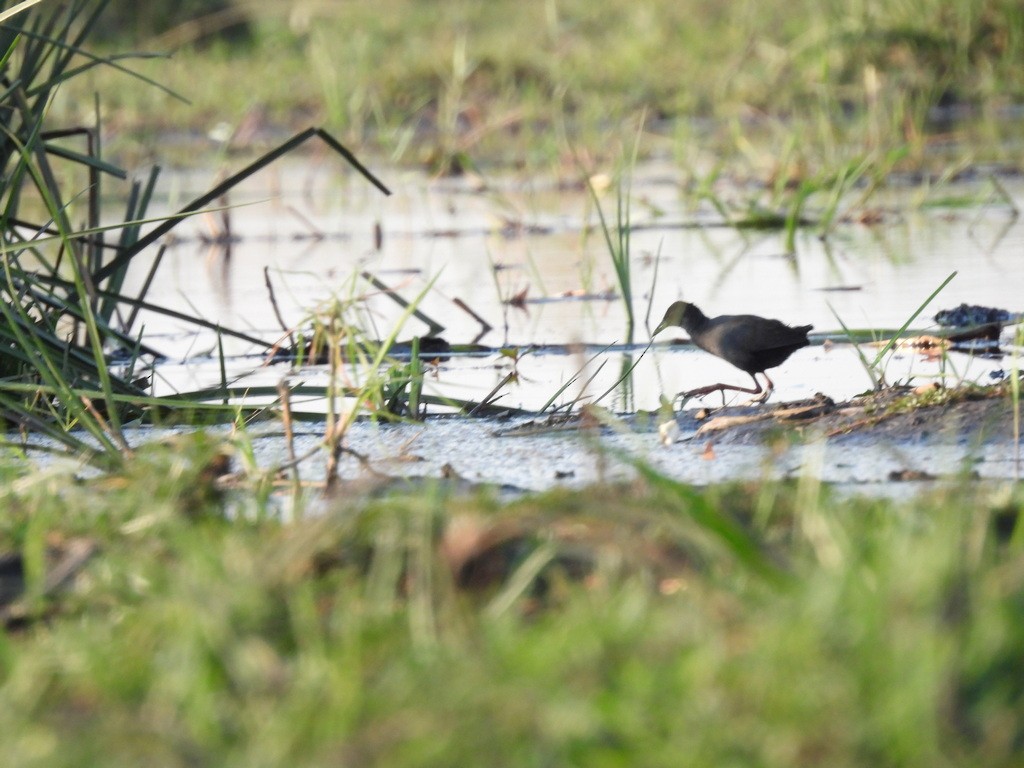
[[751, 343]]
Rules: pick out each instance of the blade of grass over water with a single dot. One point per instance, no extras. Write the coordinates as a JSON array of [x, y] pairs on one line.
[[618, 243], [877, 379], [650, 291], [435, 328], [568, 383], [125, 257], [618, 246], [893, 341], [488, 400], [872, 367], [583, 389], [138, 202], [627, 371]]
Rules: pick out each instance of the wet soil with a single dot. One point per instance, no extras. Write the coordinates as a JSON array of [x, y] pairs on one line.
[[864, 445], [900, 414]]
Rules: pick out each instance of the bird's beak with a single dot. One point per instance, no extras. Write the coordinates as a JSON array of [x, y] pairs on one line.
[[661, 327]]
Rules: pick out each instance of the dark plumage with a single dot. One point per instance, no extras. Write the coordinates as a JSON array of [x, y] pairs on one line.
[[751, 343]]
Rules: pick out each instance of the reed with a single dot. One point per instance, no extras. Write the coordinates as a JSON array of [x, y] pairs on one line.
[[61, 295]]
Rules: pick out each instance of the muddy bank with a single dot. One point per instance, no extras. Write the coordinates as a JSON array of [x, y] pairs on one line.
[[866, 442], [898, 414]]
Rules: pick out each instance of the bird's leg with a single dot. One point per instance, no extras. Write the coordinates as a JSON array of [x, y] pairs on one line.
[[701, 391], [765, 394]]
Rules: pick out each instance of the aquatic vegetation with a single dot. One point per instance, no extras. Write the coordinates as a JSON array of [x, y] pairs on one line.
[[74, 362], [617, 236], [876, 368]]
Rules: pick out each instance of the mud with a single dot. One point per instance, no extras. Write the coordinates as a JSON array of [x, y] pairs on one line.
[[899, 414]]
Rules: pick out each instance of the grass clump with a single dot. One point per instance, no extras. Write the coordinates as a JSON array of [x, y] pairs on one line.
[[575, 627], [73, 365]]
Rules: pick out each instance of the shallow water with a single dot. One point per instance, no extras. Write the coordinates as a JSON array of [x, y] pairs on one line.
[[313, 225], [484, 451]]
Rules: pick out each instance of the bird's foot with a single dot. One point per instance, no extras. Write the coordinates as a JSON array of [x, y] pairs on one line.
[[759, 399], [682, 398], [702, 391]]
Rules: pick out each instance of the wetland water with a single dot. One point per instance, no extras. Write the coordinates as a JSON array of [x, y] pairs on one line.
[[314, 224]]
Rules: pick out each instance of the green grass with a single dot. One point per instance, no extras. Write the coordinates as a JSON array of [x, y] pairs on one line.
[[465, 82], [875, 369], [611, 626], [61, 303]]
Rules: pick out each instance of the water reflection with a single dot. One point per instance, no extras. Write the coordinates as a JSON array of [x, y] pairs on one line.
[[307, 228]]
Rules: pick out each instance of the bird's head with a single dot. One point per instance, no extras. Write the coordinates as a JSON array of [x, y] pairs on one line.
[[674, 316]]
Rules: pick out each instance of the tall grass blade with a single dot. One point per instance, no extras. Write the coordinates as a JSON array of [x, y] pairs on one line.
[[714, 521], [869, 368], [125, 257], [24, 5], [892, 342]]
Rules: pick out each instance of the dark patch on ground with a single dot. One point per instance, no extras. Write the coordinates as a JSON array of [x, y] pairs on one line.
[[904, 415]]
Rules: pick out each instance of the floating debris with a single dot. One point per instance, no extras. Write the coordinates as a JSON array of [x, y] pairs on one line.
[[719, 423], [668, 432], [518, 300], [910, 475], [924, 341], [971, 314]]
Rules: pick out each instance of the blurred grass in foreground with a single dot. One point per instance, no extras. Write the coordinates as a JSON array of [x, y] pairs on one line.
[[609, 626]]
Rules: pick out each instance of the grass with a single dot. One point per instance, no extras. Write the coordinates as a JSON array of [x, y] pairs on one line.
[[467, 84], [617, 238], [875, 369], [645, 624], [61, 301]]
